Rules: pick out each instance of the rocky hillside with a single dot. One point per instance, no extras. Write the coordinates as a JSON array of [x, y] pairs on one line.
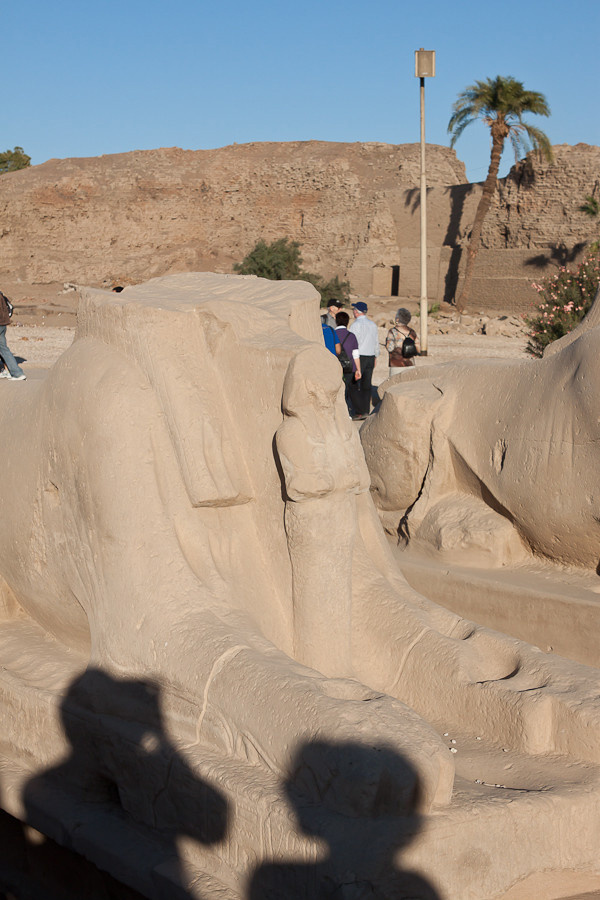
[[132, 216], [125, 218]]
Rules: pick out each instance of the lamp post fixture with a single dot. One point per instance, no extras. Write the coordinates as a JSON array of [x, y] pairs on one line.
[[424, 68]]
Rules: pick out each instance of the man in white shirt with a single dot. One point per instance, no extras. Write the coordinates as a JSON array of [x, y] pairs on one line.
[[367, 336]]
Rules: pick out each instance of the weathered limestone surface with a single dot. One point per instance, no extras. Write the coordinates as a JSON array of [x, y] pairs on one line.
[[538, 203], [487, 495], [522, 463], [167, 492], [124, 218], [128, 217]]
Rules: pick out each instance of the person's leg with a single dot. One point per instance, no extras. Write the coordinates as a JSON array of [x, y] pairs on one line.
[[11, 364], [354, 398], [350, 394], [367, 364]]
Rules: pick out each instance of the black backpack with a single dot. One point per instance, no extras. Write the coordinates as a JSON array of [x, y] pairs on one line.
[[9, 306], [409, 348], [345, 361]]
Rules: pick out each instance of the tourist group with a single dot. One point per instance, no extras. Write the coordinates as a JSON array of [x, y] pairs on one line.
[[357, 347]]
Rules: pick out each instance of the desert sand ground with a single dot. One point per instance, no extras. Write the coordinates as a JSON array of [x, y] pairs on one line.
[[39, 346]]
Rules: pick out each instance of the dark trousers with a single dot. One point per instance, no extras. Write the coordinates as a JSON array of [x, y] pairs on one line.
[[360, 394]]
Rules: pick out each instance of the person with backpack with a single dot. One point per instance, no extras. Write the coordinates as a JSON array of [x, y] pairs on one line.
[[333, 308], [401, 343], [330, 338], [12, 371], [349, 358]]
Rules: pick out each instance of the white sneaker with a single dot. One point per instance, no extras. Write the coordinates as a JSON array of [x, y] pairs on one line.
[[18, 377], [5, 373]]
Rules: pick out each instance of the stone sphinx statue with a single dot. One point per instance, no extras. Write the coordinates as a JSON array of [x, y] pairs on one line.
[[323, 469], [197, 593], [492, 461]]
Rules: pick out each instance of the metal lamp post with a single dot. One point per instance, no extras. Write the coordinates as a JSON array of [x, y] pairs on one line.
[[424, 68]]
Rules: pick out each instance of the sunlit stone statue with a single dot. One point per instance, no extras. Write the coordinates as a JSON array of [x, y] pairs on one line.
[[215, 660], [491, 461], [324, 468]]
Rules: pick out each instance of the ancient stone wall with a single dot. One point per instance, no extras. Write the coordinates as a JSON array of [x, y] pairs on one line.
[[354, 208], [537, 206], [534, 226], [131, 216]]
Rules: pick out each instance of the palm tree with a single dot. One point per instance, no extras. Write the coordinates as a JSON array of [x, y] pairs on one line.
[[500, 103]]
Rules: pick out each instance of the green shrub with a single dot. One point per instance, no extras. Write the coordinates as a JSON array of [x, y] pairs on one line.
[[566, 298], [281, 260], [334, 289]]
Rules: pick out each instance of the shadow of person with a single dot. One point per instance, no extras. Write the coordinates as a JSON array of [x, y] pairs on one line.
[[560, 255], [33, 867], [360, 804], [125, 794]]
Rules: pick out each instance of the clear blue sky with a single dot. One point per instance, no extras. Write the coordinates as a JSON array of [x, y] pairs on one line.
[[83, 79]]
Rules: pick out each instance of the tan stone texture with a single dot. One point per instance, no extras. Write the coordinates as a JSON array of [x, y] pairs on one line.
[[174, 495], [354, 208], [128, 217], [524, 457]]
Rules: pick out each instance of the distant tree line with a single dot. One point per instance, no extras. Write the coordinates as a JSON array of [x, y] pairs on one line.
[[12, 160]]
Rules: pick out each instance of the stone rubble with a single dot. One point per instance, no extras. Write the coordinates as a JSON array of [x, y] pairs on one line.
[[454, 323]]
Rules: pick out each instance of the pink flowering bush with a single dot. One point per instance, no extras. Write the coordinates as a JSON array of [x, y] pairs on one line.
[[566, 297]]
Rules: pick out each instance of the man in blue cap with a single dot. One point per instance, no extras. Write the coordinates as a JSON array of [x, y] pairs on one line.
[[367, 336]]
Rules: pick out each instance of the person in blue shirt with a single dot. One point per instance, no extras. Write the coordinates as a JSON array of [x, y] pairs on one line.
[[331, 339]]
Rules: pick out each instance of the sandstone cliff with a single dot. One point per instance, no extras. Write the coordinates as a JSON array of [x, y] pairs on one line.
[[132, 216], [353, 207]]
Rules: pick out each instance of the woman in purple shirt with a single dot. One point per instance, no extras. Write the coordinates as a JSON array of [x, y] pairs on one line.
[[349, 343]]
